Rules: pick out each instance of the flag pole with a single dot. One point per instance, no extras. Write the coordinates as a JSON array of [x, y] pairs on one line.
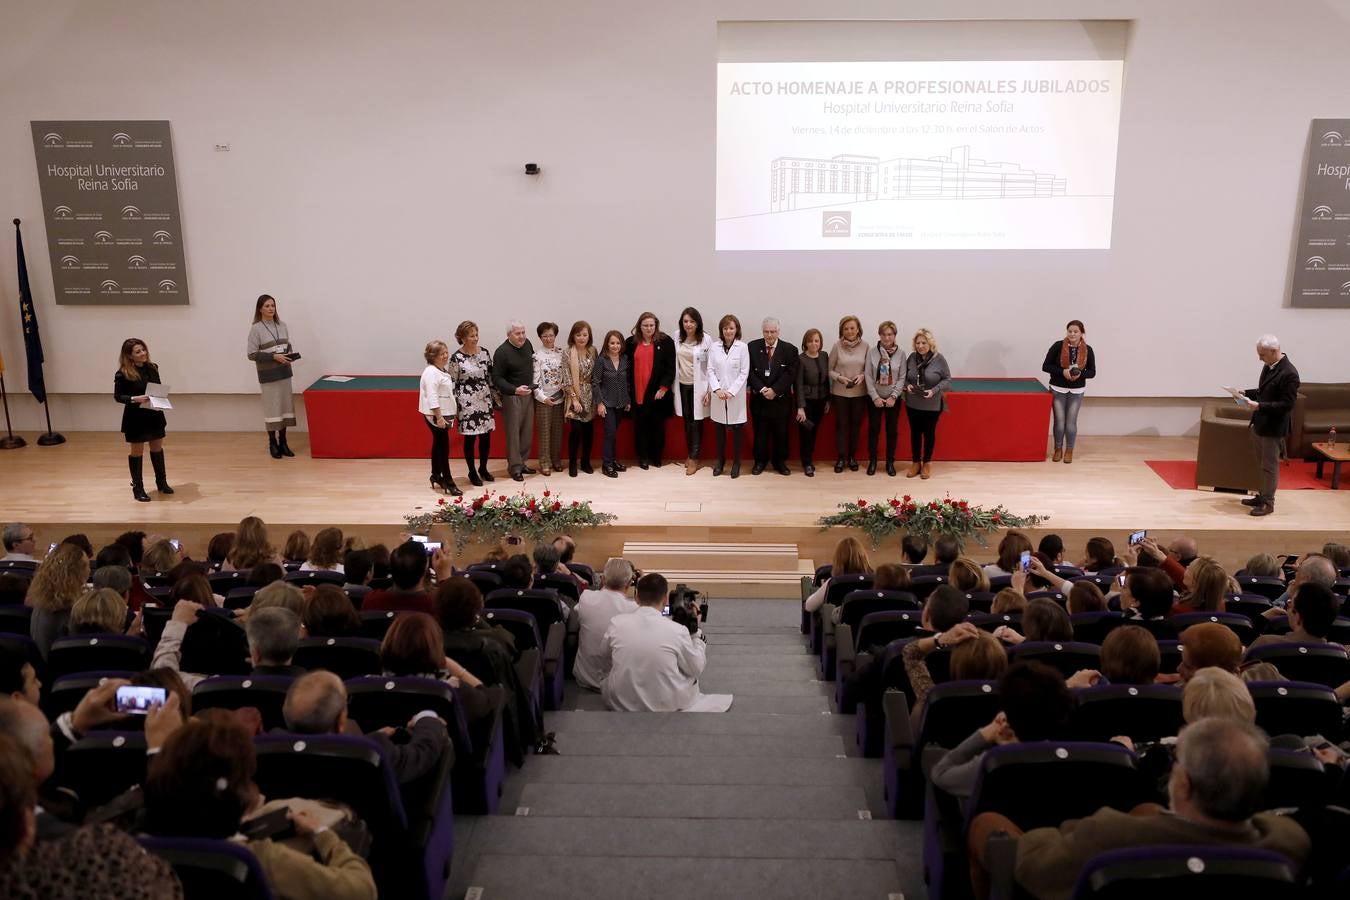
[[10, 441], [49, 438], [37, 385]]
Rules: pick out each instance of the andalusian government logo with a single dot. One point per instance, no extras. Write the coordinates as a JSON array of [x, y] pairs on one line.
[[837, 223]]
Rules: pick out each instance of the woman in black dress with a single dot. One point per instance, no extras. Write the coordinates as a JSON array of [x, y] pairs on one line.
[[140, 423]]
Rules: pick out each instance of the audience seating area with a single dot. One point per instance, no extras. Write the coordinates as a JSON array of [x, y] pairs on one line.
[[858, 637], [409, 827]]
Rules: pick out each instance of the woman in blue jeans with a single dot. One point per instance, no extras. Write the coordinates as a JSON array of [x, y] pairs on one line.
[[1069, 363], [610, 388]]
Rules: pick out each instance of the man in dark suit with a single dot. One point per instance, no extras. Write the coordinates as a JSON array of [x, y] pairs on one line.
[[317, 704], [1272, 405], [773, 368]]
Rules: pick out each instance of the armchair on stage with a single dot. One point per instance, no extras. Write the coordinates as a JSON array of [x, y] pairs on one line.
[[1225, 459], [1319, 408]]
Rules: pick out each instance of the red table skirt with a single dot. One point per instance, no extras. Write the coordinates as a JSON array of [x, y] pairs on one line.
[[385, 424]]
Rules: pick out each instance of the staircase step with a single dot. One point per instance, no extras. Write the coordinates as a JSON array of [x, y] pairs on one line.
[[661, 556]]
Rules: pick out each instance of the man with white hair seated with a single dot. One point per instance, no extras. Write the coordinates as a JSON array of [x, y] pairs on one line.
[[1272, 406], [512, 372], [773, 370], [1215, 794], [20, 543], [594, 611]]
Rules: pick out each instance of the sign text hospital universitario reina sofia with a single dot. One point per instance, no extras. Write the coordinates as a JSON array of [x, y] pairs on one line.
[[110, 203]]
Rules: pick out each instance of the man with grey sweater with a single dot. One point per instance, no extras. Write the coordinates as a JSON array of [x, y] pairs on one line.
[[512, 371]]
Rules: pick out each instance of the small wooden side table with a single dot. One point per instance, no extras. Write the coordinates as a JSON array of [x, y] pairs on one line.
[[1335, 454]]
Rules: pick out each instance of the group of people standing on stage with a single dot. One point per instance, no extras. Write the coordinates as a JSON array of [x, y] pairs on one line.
[[649, 375]]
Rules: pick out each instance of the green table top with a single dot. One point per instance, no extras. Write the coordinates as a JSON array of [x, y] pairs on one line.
[[410, 383], [370, 383], [998, 386]]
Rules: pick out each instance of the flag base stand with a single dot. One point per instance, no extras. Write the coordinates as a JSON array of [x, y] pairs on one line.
[[14, 442], [50, 439]]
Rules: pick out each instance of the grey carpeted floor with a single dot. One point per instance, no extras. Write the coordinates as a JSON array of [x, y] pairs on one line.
[[769, 799]]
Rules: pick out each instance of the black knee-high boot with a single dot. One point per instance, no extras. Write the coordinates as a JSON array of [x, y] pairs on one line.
[[284, 447], [161, 480], [737, 432], [272, 446], [469, 461], [720, 435], [484, 447], [136, 465]]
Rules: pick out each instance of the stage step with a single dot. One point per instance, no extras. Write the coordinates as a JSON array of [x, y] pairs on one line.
[[724, 570]]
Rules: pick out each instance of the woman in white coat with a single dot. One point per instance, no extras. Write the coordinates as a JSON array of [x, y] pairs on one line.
[[436, 403], [728, 369], [692, 399]]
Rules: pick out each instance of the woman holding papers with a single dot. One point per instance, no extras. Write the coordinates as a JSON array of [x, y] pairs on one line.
[[141, 424], [269, 345]]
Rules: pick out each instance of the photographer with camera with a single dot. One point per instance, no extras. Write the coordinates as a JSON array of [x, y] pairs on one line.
[[654, 659]]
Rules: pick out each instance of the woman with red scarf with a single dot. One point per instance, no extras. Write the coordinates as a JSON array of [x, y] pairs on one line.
[[1069, 363]]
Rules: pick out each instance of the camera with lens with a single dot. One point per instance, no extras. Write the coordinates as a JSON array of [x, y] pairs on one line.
[[687, 608]]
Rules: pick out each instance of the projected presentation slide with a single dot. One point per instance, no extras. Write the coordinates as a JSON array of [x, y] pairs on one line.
[[916, 155]]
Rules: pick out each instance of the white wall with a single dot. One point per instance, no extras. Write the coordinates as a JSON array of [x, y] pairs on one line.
[[374, 187]]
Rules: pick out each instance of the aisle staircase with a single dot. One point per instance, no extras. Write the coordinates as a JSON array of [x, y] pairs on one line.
[[724, 570]]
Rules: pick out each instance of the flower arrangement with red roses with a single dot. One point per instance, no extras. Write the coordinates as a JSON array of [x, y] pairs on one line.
[[880, 519], [492, 516]]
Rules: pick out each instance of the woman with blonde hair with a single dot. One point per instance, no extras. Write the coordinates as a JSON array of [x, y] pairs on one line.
[[965, 574], [975, 656], [436, 403], [884, 375], [55, 587], [848, 392], [325, 553], [578, 368], [1214, 692], [99, 611], [850, 558], [1208, 584], [141, 424], [927, 378], [251, 546], [160, 556]]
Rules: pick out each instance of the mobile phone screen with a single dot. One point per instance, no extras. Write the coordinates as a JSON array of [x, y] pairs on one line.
[[1120, 580], [665, 611], [432, 546], [1025, 560], [175, 543], [51, 548], [139, 700], [1137, 536]]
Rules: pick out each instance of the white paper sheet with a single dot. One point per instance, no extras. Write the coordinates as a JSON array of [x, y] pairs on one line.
[[711, 703], [340, 379], [159, 396]]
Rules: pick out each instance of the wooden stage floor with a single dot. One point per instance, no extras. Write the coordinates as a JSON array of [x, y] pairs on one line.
[[221, 477]]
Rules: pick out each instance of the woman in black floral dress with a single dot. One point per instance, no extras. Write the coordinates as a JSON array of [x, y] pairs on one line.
[[471, 369]]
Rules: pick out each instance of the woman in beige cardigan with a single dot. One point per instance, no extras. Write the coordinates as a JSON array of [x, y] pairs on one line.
[[848, 390]]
